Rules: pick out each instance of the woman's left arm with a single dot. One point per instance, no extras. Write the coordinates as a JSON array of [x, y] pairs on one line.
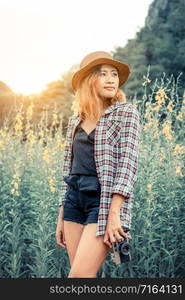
[[114, 231], [126, 173]]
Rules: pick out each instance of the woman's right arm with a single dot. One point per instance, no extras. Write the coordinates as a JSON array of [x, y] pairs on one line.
[[65, 166], [60, 238]]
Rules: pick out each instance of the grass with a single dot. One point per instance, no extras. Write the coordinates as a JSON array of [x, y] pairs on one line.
[[30, 183]]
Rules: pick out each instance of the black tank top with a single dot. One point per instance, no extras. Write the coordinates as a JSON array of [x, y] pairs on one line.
[[83, 162]]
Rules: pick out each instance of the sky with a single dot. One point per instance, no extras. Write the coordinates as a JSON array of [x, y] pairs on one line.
[[41, 39]]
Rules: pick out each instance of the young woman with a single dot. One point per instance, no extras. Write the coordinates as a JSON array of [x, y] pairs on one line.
[[100, 165]]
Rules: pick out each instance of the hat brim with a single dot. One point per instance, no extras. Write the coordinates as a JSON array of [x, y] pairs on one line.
[[123, 70]]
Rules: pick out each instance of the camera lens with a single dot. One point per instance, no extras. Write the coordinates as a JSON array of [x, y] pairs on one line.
[[125, 248]]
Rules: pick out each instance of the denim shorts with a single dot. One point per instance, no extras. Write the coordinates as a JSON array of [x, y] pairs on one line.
[[82, 199]]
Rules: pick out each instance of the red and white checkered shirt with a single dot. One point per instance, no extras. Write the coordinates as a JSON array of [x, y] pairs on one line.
[[116, 151]]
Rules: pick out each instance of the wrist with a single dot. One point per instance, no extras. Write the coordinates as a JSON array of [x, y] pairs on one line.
[[117, 201], [61, 210], [114, 211]]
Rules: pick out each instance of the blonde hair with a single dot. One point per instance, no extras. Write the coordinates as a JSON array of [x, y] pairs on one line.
[[87, 102]]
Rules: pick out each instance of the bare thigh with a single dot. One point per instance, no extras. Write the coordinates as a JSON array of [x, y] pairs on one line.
[[90, 254], [72, 232]]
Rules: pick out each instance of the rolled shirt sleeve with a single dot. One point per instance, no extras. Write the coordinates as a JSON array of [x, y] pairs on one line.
[[126, 174], [65, 165]]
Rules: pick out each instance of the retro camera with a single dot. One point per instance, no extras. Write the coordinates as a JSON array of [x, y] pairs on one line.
[[121, 251]]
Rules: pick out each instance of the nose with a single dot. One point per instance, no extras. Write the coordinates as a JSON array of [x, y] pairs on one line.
[[110, 78]]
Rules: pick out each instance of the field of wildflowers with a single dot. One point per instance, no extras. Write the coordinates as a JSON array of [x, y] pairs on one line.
[[30, 181]]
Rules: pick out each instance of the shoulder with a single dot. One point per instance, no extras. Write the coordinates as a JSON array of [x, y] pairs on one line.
[[127, 109], [72, 119]]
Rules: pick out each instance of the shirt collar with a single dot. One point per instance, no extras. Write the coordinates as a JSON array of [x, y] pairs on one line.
[[107, 111]]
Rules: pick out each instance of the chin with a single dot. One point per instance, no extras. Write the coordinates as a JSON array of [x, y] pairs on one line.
[[105, 98], [109, 95]]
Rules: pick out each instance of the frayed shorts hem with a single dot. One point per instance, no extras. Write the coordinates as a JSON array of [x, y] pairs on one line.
[[76, 221]]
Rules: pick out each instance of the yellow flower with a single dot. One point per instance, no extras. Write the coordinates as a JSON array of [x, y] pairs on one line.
[[145, 128], [147, 80], [54, 116], [149, 187], [52, 189], [170, 106], [178, 170], [179, 116], [46, 156], [162, 155], [30, 111], [12, 191], [1, 143], [156, 108], [52, 182], [16, 185], [161, 96], [167, 130], [179, 149]]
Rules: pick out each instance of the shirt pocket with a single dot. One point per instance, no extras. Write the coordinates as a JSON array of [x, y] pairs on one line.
[[113, 132]]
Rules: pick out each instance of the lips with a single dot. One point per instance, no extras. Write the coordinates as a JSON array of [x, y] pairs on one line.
[[109, 88]]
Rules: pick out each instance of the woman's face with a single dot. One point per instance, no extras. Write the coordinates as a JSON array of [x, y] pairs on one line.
[[107, 83]]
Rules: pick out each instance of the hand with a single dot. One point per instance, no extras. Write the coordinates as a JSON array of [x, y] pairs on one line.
[[60, 238], [114, 232]]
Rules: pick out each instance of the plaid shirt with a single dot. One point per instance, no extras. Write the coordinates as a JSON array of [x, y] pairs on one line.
[[116, 149]]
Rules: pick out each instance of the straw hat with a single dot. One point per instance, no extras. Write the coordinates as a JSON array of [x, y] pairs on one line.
[[98, 58]]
